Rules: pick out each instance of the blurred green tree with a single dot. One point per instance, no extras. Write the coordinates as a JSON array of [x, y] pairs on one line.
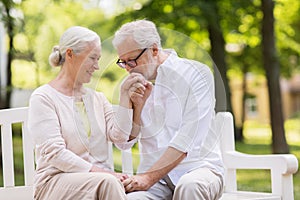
[[11, 16], [226, 23], [214, 26]]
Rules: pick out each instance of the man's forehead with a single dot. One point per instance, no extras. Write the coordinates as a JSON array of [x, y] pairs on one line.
[[127, 46], [127, 50]]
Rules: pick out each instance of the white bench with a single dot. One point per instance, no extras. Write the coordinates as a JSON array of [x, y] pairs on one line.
[[282, 167]]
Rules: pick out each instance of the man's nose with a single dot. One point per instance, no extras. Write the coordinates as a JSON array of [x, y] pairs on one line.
[[128, 69]]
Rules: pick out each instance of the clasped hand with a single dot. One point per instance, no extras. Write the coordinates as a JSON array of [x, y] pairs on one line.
[[137, 183], [137, 89]]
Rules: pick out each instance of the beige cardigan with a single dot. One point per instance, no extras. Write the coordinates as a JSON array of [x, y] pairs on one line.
[[61, 142]]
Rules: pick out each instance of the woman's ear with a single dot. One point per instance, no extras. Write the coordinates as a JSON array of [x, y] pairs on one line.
[[69, 53]]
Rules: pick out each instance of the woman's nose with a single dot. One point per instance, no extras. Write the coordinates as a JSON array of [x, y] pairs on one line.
[[96, 66]]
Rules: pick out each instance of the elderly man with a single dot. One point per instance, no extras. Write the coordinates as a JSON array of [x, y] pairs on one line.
[[179, 152]]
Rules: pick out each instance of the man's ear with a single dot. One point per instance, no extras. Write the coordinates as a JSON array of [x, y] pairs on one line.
[[154, 50]]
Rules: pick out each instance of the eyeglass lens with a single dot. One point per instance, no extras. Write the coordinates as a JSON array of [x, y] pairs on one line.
[[131, 63]]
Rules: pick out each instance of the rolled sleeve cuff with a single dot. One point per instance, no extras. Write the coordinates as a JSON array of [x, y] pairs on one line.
[[126, 145], [181, 143], [84, 167]]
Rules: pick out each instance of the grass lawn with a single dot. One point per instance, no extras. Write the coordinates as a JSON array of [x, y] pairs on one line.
[[257, 141]]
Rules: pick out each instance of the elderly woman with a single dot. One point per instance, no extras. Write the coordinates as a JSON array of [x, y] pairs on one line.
[[71, 125]]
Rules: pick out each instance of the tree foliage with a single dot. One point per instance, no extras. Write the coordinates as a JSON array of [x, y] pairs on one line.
[[39, 24], [10, 15]]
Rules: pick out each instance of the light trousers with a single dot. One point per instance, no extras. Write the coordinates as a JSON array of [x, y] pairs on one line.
[[199, 184], [82, 186]]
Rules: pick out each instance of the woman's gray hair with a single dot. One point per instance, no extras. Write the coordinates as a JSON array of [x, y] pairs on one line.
[[143, 32], [77, 38]]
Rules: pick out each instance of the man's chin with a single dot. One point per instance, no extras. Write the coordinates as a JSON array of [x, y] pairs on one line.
[[135, 71]]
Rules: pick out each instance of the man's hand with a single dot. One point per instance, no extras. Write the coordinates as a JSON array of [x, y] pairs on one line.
[[134, 87], [168, 161], [140, 93], [134, 92], [137, 183]]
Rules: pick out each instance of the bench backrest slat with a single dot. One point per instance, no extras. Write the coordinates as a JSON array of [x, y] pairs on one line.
[[7, 155], [28, 156], [8, 117], [224, 125]]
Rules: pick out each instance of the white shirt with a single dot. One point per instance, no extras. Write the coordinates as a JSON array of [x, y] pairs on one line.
[[180, 113]]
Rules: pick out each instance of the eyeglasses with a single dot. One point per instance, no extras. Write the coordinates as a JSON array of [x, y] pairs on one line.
[[131, 63]]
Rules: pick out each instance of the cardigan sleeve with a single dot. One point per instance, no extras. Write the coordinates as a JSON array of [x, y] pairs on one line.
[[45, 128], [118, 122]]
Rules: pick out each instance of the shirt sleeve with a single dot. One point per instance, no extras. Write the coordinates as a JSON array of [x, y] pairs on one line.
[[44, 126], [197, 114]]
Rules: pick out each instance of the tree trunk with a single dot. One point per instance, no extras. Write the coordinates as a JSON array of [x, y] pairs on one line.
[[240, 130], [8, 84], [6, 94], [217, 42], [271, 65], [218, 56]]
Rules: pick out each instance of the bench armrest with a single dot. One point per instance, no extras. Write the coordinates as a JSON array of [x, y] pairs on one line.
[[284, 163], [281, 166]]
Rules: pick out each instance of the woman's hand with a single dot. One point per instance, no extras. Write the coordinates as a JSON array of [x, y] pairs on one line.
[[119, 176], [122, 177], [139, 94], [135, 90], [132, 87]]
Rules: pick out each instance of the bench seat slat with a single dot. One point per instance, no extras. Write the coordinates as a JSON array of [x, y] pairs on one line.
[[240, 195], [14, 193]]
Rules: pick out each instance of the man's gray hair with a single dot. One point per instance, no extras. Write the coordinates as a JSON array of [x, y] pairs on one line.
[[143, 32]]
